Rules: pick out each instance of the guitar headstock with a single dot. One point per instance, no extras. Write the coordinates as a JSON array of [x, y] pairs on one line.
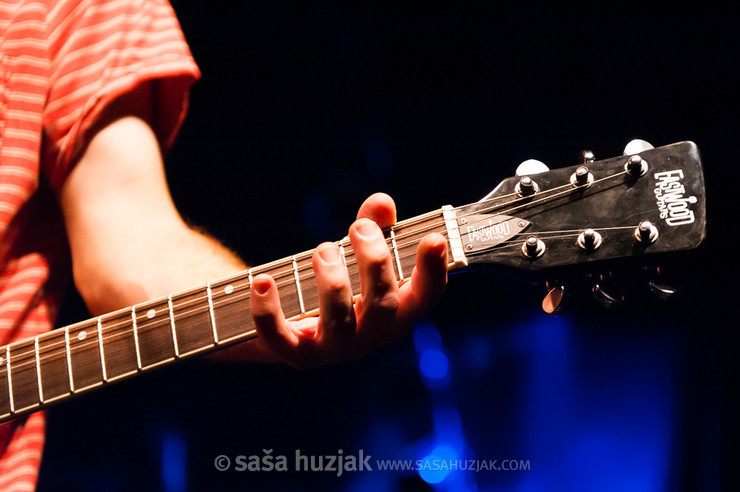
[[632, 207]]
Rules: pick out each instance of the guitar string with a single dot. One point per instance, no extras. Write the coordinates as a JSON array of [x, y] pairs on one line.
[[200, 309], [548, 195], [527, 201]]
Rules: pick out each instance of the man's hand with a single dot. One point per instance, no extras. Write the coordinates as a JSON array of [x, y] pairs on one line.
[[383, 312]]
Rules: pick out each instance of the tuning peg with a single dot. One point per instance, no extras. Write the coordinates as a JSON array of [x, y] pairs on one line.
[[531, 166], [662, 285], [587, 157], [606, 292], [553, 300], [636, 146]]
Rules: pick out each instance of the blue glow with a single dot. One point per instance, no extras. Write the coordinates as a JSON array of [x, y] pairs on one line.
[[609, 398], [173, 462], [426, 336], [434, 364], [435, 466]]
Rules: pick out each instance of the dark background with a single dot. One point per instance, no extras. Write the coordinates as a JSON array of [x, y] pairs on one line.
[[304, 110]]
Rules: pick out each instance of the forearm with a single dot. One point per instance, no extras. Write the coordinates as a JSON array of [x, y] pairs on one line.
[[175, 260]]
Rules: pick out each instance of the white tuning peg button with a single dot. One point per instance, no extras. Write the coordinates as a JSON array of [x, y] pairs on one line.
[[636, 146], [531, 166]]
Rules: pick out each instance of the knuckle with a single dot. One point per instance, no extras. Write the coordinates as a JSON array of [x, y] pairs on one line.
[[335, 286], [385, 303], [378, 257]]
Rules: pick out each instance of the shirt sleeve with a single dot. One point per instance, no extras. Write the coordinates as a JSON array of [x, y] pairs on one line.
[[101, 49]]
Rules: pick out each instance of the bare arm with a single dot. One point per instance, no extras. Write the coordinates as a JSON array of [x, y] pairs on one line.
[[129, 244]]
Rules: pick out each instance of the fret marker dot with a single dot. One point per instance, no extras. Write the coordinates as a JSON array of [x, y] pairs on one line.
[[82, 335], [151, 313], [229, 289]]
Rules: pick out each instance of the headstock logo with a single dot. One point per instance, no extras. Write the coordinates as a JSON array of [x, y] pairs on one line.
[[674, 208]]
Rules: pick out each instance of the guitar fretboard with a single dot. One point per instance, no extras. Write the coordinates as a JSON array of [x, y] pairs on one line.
[[115, 346]]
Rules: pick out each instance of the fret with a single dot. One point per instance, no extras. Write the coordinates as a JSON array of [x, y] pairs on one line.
[[343, 254], [350, 262], [136, 337], [86, 369], [119, 344], [210, 312], [10, 379], [410, 233], [230, 298], [297, 279], [154, 332], [282, 273], [394, 251], [5, 395], [101, 349], [54, 365], [192, 321], [171, 310], [38, 368], [22, 375], [69, 358], [307, 279]]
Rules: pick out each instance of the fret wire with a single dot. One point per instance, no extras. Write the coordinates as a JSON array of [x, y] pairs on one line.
[[395, 254], [298, 285], [10, 380], [136, 337], [69, 359], [38, 368], [172, 325], [343, 254], [210, 310], [102, 350]]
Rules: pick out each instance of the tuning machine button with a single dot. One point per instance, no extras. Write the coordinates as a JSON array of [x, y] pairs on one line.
[[589, 240], [531, 166], [636, 146], [526, 187], [587, 157], [662, 285], [636, 166], [553, 300], [606, 292], [533, 248], [582, 178], [646, 233]]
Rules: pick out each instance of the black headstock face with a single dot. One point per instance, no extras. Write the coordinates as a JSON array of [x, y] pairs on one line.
[[630, 206]]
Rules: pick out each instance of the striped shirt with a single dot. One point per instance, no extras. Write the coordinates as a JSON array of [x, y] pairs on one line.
[[61, 63]]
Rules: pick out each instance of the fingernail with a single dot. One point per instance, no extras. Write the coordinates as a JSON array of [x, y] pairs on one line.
[[329, 254], [367, 229], [439, 248], [260, 288]]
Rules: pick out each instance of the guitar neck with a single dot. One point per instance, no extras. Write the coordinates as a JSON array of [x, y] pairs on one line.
[[67, 361]]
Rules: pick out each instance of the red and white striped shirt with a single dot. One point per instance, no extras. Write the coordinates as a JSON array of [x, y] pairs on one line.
[[61, 63]]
